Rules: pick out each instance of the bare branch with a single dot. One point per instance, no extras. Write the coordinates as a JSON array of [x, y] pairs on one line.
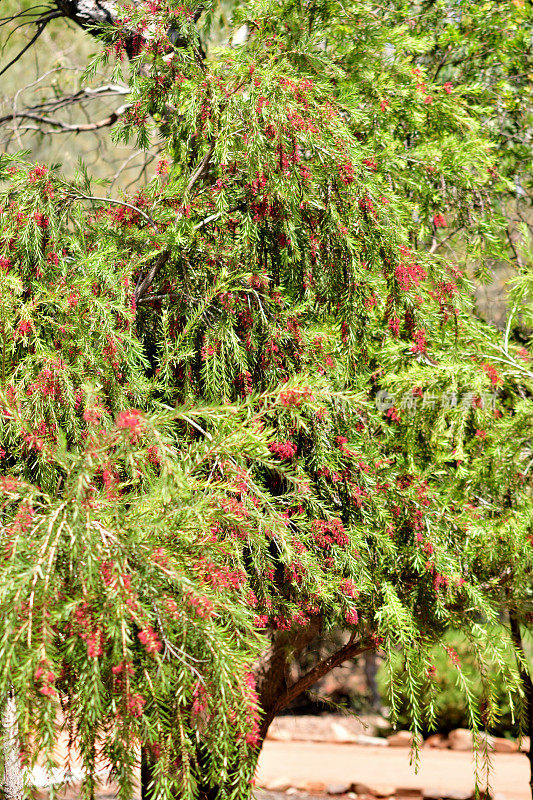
[[80, 96], [66, 127], [144, 284], [201, 168], [436, 244], [41, 25], [28, 12], [514, 249]]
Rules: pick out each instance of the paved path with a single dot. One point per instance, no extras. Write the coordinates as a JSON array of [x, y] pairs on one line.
[[445, 770]]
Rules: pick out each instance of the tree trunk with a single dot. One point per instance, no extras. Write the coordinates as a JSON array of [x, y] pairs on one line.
[[13, 782], [274, 689], [371, 670], [146, 774], [528, 689]]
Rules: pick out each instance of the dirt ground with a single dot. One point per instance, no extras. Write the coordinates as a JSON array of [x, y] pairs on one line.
[[302, 763]]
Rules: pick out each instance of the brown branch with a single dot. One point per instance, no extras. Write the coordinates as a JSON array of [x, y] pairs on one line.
[[144, 284], [201, 168], [65, 127], [516, 253], [442, 62], [66, 100], [28, 12], [349, 651]]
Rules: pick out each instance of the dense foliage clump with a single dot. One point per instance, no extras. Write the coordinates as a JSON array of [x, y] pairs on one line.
[[251, 403]]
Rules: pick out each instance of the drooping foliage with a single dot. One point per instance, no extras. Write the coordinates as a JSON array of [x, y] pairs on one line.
[[249, 401]]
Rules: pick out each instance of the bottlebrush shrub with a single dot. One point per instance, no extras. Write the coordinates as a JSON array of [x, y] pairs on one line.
[[270, 271], [129, 594]]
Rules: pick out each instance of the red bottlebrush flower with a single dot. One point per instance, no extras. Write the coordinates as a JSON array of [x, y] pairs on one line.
[[394, 326], [283, 450], [132, 420], [24, 327], [393, 414], [48, 691], [491, 373], [153, 454], [135, 704], [295, 397], [149, 638], [481, 434], [428, 99], [370, 163], [94, 645], [329, 532], [419, 345], [5, 264], [384, 105], [346, 172], [454, 658], [448, 87], [439, 221], [431, 671], [409, 273], [344, 331], [39, 171], [200, 700], [348, 589], [93, 415], [366, 204], [41, 220], [351, 616]]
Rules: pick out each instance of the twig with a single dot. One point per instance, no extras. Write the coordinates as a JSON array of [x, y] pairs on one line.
[[512, 245], [41, 25], [435, 245], [119, 203], [198, 172], [144, 284]]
